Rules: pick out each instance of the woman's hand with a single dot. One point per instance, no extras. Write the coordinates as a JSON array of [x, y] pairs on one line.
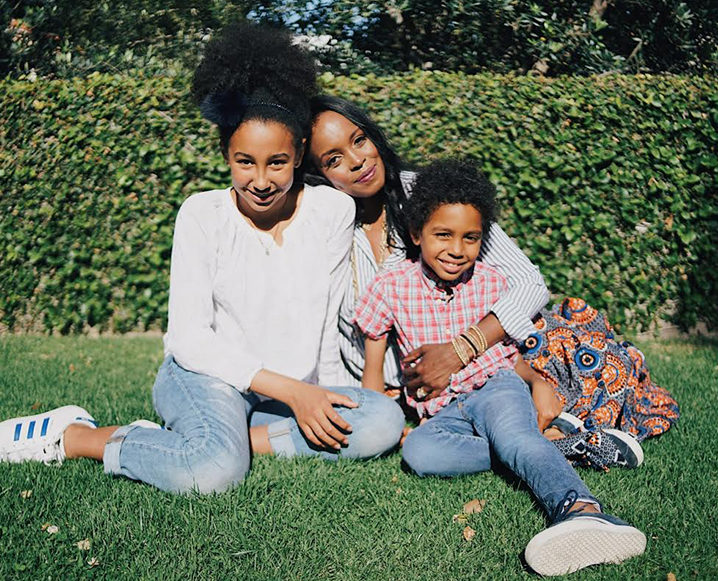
[[430, 367], [548, 405], [313, 407]]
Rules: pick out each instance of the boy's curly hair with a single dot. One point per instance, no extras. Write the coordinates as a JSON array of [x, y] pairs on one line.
[[255, 72], [450, 181]]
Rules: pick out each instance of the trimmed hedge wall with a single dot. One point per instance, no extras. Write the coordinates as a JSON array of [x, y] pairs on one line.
[[609, 184]]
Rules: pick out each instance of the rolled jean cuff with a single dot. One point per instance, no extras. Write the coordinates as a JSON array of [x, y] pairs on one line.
[[111, 455], [280, 437]]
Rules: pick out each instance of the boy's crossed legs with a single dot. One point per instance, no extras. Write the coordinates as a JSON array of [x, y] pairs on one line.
[[500, 417]]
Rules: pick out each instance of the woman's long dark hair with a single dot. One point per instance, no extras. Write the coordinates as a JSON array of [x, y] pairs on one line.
[[394, 196]]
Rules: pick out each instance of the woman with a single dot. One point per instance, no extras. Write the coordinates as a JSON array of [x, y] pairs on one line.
[[258, 272], [349, 151]]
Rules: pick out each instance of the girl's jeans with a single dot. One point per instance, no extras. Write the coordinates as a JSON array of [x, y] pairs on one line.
[[207, 445], [498, 419]]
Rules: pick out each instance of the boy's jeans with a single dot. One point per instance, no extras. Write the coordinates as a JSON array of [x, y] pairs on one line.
[[499, 418], [207, 446]]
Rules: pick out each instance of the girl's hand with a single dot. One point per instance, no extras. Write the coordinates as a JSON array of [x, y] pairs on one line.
[[430, 366], [548, 405], [313, 407]]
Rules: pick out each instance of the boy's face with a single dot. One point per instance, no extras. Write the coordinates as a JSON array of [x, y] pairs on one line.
[[450, 240]]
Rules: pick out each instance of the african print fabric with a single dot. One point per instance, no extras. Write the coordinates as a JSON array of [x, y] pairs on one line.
[[603, 382]]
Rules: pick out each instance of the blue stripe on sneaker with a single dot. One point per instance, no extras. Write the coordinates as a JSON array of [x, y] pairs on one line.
[[43, 429], [18, 429], [87, 420], [31, 430]]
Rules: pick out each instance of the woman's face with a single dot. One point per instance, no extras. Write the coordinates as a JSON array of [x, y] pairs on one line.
[[346, 156], [262, 159]]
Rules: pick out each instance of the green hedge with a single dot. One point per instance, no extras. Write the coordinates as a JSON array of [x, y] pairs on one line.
[[610, 184]]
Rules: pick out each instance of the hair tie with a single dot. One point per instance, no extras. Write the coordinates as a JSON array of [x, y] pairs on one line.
[[228, 108]]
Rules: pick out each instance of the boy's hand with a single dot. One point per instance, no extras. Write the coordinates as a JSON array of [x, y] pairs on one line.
[[548, 405], [317, 418], [430, 366]]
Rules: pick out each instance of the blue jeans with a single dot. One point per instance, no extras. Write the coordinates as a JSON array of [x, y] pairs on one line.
[[499, 418], [207, 446]]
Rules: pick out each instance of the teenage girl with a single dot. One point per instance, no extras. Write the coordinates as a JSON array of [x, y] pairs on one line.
[[257, 276]]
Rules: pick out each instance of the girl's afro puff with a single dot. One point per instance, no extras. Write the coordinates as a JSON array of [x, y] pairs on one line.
[[246, 65]]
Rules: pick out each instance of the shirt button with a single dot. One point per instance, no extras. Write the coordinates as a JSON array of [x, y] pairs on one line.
[[448, 331]]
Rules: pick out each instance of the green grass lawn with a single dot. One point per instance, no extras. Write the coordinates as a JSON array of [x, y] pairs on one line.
[[305, 519]]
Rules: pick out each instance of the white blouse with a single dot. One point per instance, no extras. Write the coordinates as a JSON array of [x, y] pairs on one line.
[[240, 303], [525, 295]]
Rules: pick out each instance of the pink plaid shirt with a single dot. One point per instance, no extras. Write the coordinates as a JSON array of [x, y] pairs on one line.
[[422, 309]]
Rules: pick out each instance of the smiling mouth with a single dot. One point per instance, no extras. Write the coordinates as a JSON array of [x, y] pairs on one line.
[[261, 196], [367, 175], [451, 267]]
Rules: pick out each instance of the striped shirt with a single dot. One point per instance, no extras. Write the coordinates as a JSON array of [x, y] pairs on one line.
[[422, 309], [525, 295]]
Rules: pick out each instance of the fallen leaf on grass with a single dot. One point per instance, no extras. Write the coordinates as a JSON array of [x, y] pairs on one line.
[[468, 533], [36, 406], [93, 561], [461, 518], [26, 494], [72, 368], [83, 545], [474, 506], [50, 529], [670, 577]]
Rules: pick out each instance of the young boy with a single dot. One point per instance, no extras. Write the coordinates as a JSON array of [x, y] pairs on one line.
[[487, 408]]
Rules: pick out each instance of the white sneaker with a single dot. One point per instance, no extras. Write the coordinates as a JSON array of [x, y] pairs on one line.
[[40, 437], [581, 539], [567, 423], [630, 453]]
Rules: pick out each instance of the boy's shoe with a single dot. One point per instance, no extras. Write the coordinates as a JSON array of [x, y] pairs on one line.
[[40, 437], [567, 423], [630, 453], [579, 539]]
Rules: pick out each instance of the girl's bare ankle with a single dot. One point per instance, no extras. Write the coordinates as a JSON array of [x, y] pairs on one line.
[[74, 433]]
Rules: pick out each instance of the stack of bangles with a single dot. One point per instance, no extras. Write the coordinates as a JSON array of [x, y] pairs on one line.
[[470, 344]]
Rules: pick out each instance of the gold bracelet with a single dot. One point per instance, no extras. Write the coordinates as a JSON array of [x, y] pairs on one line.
[[480, 337], [473, 342], [467, 348], [472, 347], [459, 349]]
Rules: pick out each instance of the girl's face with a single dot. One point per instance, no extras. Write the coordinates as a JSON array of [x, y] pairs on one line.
[[346, 156], [262, 158], [450, 240]]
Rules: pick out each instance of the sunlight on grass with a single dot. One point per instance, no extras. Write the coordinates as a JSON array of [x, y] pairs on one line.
[[305, 519]]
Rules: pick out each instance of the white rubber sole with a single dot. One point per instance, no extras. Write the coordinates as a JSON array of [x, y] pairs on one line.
[[567, 423], [629, 441], [573, 545]]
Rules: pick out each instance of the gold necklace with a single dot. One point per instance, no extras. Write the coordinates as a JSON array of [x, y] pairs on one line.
[[383, 247], [383, 252]]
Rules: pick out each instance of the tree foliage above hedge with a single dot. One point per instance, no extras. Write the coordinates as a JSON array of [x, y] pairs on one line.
[[63, 38], [609, 184]]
